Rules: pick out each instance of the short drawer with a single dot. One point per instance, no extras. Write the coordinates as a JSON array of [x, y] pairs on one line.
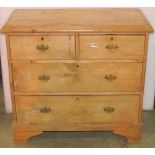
[[112, 47], [77, 109], [42, 47], [72, 77]]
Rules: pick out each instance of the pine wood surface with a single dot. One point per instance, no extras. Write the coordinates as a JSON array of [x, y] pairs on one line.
[[124, 43], [77, 70], [84, 77], [59, 47], [125, 20], [80, 109]]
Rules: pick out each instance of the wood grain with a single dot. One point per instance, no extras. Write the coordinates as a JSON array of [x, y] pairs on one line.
[[128, 47], [59, 47], [24, 136], [78, 77], [77, 109], [97, 93], [77, 83], [131, 131], [76, 20], [11, 80]]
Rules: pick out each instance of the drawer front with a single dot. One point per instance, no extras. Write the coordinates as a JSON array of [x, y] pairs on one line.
[[77, 109], [68, 77], [42, 47], [112, 47]]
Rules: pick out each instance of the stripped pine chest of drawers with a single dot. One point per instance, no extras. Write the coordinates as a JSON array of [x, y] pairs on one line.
[[77, 70]]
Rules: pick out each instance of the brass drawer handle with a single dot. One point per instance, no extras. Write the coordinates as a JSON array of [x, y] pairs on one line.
[[110, 77], [112, 47], [42, 47], [109, 109], [44, 78], [45, 110]]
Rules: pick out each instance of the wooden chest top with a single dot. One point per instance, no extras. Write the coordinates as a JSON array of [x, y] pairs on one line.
[[107, 20]]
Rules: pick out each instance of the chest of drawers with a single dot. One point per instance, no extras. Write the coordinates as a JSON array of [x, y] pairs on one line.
[[77, 70]]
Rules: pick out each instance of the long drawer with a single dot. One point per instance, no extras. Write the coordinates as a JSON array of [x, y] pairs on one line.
[[77, 109], [68, 77], [112, 47], [42, 47]]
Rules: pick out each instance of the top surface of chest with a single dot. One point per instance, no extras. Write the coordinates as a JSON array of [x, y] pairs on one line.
[[107, 20]]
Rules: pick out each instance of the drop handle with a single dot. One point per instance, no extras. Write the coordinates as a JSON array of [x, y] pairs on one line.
[[109, 109], [42, 47], [44, 78], [111, 47], [45, 110], [110, 77]]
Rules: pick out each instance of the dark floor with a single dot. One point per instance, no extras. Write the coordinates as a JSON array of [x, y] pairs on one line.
[[76, 139]]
